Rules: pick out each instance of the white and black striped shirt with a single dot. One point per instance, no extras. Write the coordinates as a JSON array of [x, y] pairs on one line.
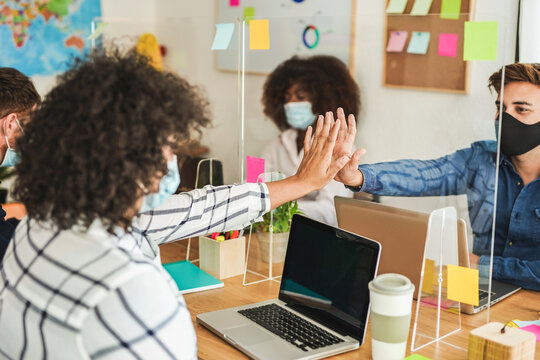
[[78, 294]]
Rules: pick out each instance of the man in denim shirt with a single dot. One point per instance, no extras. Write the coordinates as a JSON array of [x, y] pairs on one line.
[[471, 171]]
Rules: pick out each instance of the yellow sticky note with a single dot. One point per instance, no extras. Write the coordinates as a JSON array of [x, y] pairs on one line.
[[450, 9], [463, 284], [429, 276], [259, 34], [396, 6], [480, 40]]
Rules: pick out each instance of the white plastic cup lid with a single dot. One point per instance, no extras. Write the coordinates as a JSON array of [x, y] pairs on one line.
[[391, 284]]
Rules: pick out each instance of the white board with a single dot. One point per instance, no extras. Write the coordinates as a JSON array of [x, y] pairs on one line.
[[293, 26]]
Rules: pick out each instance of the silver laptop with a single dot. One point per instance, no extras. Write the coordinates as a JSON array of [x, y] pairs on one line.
[[323, 302], [402, 234]]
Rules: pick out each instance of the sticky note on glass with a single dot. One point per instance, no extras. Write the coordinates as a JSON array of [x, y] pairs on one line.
[[419, 43], [421, 7], [249, 12], [535, 329], [259, 34], [397, 41], [396, 6], [448, 45], [254, 167], [480, 40], [463, 284], [429, 276], [450, 9], [234, 2], [223, 36]]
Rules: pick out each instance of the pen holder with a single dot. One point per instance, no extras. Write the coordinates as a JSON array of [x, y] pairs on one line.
[[487, 342], [222, 259]]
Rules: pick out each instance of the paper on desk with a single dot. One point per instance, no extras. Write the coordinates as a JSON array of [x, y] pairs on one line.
[[463, 284], [223, 36], [535, 329], [520, 323], [249, 12], [416, 357]]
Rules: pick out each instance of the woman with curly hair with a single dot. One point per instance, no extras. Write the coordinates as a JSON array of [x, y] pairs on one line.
[[294, 94], [82, 277]]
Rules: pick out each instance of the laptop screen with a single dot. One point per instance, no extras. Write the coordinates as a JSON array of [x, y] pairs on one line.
[[326, 275]]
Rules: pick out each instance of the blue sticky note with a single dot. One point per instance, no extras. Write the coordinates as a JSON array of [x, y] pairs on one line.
[[223, 36], [419, 43]]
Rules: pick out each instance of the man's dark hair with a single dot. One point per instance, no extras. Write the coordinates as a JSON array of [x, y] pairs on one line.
[[99, 135], [325, 78], [518, 72], [17, 92]]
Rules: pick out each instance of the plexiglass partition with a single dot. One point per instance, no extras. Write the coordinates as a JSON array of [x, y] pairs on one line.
[[424, 91]]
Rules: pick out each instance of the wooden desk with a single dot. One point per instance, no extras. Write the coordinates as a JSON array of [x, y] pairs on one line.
[[523, 305]]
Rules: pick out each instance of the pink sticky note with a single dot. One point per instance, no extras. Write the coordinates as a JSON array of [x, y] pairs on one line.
[[535, 329], [254, 167], [448, 45], [397, 41], [234, 2]]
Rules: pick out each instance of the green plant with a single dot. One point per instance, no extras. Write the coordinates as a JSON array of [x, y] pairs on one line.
[[281, 218]]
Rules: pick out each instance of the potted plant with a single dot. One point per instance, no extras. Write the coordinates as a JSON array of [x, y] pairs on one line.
[[276, 225]]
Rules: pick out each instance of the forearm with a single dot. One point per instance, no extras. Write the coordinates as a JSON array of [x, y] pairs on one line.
[[524, 273], [288, 189]]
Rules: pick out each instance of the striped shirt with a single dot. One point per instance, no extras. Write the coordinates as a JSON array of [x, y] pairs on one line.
[[90, 294]]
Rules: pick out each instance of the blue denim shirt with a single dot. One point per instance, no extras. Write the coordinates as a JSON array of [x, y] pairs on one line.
[[471, 171]]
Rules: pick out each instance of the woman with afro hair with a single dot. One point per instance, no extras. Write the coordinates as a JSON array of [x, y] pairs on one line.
[[294, 94]]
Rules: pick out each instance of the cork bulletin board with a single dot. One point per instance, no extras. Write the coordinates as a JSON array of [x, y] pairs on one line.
[[427, 71]]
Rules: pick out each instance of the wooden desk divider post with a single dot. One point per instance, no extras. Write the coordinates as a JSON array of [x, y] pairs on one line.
[[489, 342]]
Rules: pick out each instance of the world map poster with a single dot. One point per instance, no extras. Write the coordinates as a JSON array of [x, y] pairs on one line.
[[39, 37]]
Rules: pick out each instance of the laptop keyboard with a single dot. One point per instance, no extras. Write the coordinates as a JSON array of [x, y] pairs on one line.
[[484, 294], [290, 327]]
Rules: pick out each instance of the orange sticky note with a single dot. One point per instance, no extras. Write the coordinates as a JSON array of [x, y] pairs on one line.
[[429, 276], [463, 284], [259, 34]]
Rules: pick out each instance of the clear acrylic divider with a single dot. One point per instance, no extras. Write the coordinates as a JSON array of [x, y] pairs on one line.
[[265, 256], [437, 316]]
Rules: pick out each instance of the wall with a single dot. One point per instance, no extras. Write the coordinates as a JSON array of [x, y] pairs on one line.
[[393, 123]]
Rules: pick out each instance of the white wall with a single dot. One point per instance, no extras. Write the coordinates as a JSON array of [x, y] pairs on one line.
[[393, 123]]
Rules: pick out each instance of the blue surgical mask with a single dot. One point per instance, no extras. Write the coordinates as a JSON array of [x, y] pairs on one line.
[[11, 158], [167, 186], [299, 115]]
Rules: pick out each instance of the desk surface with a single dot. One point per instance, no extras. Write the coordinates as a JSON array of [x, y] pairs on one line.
[[523, 305]]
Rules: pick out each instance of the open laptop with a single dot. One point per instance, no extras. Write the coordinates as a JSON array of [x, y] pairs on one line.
[[402, 234], [323, 302]]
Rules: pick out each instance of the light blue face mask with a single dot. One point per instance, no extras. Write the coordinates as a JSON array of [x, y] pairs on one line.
[[11, 158], [167, 186], [299, 115]]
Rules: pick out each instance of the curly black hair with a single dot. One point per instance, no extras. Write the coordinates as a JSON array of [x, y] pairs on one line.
[[99, 134], [324, 78]]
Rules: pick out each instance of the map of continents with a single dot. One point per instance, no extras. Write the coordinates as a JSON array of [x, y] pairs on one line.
[[39, 37]]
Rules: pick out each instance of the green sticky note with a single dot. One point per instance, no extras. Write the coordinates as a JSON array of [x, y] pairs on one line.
[[416, 357], [480, 40], [249, 12], [419, 43], [450, 9], [421, 7], [396, 6]]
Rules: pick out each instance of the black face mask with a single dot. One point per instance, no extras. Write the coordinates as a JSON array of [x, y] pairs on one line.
[[516, 137]]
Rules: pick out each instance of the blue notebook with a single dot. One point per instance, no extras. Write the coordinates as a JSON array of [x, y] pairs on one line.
[[189, 278]]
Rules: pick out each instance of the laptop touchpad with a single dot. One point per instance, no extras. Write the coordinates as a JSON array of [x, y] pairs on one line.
[[248, 335]]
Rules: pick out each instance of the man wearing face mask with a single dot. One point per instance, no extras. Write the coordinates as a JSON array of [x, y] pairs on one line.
[[293, 95], [471, 171], [17, 98]]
